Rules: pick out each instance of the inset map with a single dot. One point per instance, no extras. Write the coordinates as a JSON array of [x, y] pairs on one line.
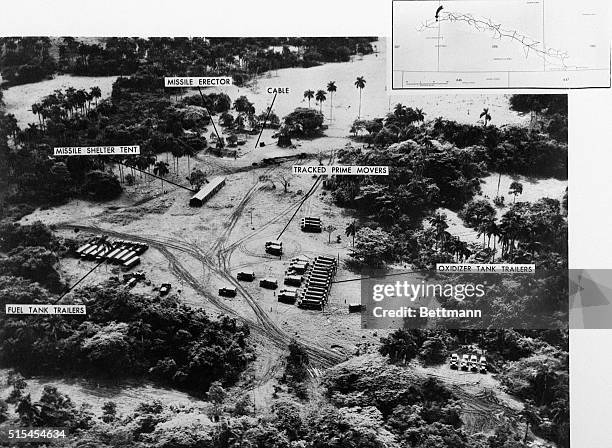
[[500, 44]]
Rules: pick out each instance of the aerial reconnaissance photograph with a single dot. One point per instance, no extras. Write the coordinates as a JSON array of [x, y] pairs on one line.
[[193, 288]]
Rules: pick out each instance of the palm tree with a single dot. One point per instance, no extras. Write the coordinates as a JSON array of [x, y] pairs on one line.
[[498, 183], [95, 93], [331, 88], [144, 161], [516, 188], [438, 222], [360, 83], [482, 230], [492, 230], [177, 153], [310, 95], [36, 110], [81, 99], [330, 229], [351, 230], [320, 97], [419, 115], [189, 152], [69, 100], [485, 114], [161, 169]]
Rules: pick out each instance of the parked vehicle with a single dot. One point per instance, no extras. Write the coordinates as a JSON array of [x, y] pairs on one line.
[[474, 363], [247, 276], [274, 249], [293, 280], [112, 254], [128, 256], [274, 243], [311, 224], [298, 268], [228, 291], [300, 259], [355, 307], [129, 264], [483, 364], [118, 256], [454, 361], [268, 283], [465, 362], [287, 295], [83, 248]]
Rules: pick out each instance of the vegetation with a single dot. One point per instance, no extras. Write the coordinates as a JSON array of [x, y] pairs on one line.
[[548, 112], [303, 122], [366, 402], [360, 83], [331, 88], [533, 366], [26, 59], [439, 164], [30, 59], [122, 334]]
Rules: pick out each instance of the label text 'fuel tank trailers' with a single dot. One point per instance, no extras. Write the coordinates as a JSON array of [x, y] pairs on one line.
[[207, 191]]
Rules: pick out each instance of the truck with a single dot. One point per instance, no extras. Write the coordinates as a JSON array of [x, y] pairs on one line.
[[474, 363], [483, 364], [355, 308], [301, 259], [268, 283], [465, 362], [274, 247], [298, 268], [228, 291], [247, 276], [454, 361], [293, 280], [287, 295]]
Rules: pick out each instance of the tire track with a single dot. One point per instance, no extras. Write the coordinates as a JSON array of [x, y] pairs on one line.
[[264, 324], [217, 259]]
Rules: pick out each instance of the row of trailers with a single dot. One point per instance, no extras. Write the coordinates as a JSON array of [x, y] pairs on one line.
[[122, 252], [318, 280]]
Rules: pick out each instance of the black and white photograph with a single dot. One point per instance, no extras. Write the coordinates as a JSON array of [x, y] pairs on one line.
[[254, 241]]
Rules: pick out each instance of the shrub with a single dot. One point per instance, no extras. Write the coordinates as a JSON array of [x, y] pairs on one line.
[[476, 212], [102, 185], [433, 351], [303, 122]]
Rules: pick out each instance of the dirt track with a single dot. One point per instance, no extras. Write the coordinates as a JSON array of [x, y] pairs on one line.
[[217, 261]]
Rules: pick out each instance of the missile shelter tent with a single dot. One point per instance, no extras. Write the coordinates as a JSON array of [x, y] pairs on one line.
[[207, 191]]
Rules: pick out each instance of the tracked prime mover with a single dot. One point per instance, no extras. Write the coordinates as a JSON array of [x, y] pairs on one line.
[[318, 278]]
